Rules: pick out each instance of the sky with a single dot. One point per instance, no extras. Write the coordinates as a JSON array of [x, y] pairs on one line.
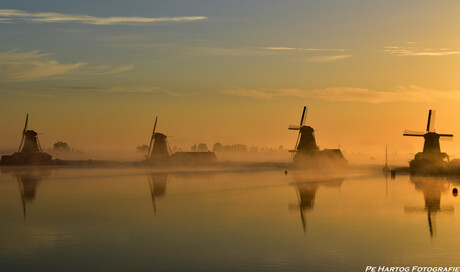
[[96, 73]]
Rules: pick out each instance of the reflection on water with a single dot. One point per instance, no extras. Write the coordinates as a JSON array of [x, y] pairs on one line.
[[307, 185], [157, 185], [223, 221], [28, 181], [431, 187]]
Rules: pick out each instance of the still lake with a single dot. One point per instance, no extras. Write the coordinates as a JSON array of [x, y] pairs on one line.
[[137, 220]]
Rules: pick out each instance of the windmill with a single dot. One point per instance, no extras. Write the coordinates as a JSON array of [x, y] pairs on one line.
[[29, 141], [306, 138], [158, 147], [431, 159], [29, 151], [307, 153]]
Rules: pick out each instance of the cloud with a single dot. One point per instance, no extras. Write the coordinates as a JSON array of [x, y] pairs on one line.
[[51, 17], [69, 87], [141, 90], [304, 49], [113, 90], [32, 66], [229, 51], [27, 66], [409, 93], [328, 58], [104, 70], [269, 51], [418, 51]]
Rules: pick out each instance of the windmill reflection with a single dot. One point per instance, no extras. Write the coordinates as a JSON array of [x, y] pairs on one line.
[[432, 188], [307, 185], [157, 185], [28, 181]]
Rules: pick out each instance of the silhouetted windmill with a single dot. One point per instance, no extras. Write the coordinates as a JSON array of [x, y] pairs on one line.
[[159, 150], [306, 138], [307, 153], [31, 143], [29, 151], [431, 159]]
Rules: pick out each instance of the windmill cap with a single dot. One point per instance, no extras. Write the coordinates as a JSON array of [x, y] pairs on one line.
[[305, 129], [31, 133]]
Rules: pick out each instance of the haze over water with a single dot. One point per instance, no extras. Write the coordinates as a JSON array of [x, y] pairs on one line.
[[138, 220]]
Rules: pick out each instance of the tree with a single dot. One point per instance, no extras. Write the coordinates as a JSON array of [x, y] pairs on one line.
[[142, 148], [217, 147], [193, 148], [203, 147], [61, 146]]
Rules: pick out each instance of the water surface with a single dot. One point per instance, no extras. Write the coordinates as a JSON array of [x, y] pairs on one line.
[[136, 220]]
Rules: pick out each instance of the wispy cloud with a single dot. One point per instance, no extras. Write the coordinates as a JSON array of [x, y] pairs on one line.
[[112, 90], [329, 58], [9, 15], [419, 51], [108, 70], [318, 54], [27, 66], [15, 66], [69, 87], [141, 90], [304, 49], [409, 93], [230, 51]]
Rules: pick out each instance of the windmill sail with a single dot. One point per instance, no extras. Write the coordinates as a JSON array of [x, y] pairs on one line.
[[153, 135], [23, 133]]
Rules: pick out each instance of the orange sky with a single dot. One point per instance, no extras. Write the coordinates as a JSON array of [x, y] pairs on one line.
[[231, 73]]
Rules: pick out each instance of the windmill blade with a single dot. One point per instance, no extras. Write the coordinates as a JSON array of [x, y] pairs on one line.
[[294, 127], [413, 133], [23, 133], [27, 121], [39, 146], [304, 117], [169, 147], [297, 142], [22, 141], [153, 134], [430, 123], [446, 137]]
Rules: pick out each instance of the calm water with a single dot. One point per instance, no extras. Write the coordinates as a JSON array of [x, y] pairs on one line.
[[132, 220]]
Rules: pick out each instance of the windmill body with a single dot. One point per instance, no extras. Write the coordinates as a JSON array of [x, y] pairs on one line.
[[29, 152], [431, 160], [160, 146], [307, 153], [31, 145]]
